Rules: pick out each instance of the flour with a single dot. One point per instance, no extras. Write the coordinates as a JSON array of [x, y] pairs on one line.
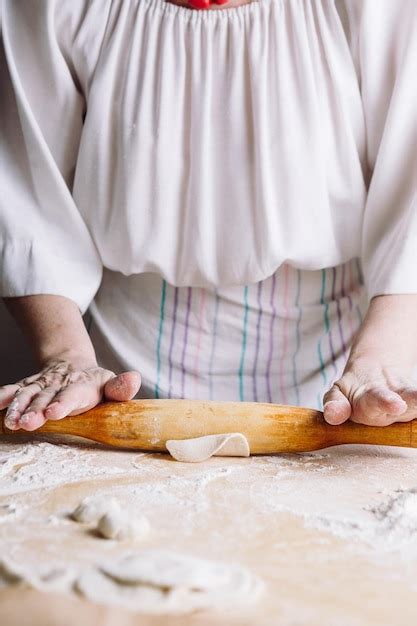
[[389, 526], [37, 465], [399, 513]]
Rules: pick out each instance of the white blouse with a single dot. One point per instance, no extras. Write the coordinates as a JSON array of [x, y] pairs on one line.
[[208, 147]]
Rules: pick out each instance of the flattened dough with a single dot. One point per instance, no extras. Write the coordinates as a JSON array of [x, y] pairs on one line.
[[165, 582], [40, 577], [202, 448]]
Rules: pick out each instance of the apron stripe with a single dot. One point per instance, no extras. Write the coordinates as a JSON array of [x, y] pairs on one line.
[[284, 338], [160, 333], [198, 341], [258, 341], [298, 338], [350, 289], [213, 342], [171, 343], [327, 328], [339, 313], [244, 341], [271, 338], [185, 340]]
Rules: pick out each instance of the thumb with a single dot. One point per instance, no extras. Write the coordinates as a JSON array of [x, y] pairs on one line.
[[122, 387], [337, 408]]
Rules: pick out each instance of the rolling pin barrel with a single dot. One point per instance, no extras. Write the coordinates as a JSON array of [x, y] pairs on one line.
[[269, 428]]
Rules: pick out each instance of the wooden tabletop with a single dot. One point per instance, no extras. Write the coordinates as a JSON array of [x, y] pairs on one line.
[[290, 519]]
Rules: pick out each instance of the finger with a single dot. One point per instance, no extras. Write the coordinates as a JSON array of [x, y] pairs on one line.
[[379, 406], [33, 416], [409, 395], [7, 393], [336, 407], [73, 400], [18, 405], [123, 387], [31, 421], [20, 413], [12, 415]]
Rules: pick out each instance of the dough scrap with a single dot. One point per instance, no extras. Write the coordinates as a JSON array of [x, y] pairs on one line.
[[119, 525], [91, 509], [158, 581], [42, 578], [200, 449]]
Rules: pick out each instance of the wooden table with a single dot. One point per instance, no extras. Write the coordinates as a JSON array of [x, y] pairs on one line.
[[291, 519]]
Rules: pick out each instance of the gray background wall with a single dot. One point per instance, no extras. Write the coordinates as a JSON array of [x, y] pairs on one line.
[[15, 358]]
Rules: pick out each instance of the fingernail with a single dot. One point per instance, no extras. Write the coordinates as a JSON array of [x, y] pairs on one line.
[[13, 409], [14, 404], [11, 415], [10, 423], [26, 417], [48, 410], [390, 397]]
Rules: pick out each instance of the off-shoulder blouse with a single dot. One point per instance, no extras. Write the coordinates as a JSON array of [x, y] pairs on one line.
[[208, 147]]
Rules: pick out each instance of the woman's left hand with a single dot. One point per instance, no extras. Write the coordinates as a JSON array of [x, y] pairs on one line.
[[368, 393]]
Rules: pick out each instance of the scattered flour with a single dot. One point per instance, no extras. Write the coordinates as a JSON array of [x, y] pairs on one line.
[[37, 465], [389, 525]]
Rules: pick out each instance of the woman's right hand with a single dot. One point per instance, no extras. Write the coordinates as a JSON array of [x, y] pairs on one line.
[[63, 388]]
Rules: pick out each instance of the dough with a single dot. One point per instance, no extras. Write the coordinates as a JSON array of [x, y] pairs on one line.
[[202, 448], [91, 509], [42, 578], [158, 581], [119, 525]]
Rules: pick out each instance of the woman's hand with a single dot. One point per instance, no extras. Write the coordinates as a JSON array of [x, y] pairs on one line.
[[62, 388], [378, 386], [370, 394]]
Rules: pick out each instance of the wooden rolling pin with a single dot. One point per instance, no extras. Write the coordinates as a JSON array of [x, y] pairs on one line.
[[269, 428]]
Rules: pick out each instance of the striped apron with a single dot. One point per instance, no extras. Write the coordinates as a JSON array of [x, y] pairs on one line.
[[284, 339]]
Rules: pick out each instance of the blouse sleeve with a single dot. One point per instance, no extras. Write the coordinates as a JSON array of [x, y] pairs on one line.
[[386, 53], [45, 246]]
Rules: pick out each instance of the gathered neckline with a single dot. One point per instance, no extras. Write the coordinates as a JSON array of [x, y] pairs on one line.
[[200, 14]]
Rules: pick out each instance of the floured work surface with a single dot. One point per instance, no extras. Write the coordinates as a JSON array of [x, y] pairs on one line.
[[332, 534]]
